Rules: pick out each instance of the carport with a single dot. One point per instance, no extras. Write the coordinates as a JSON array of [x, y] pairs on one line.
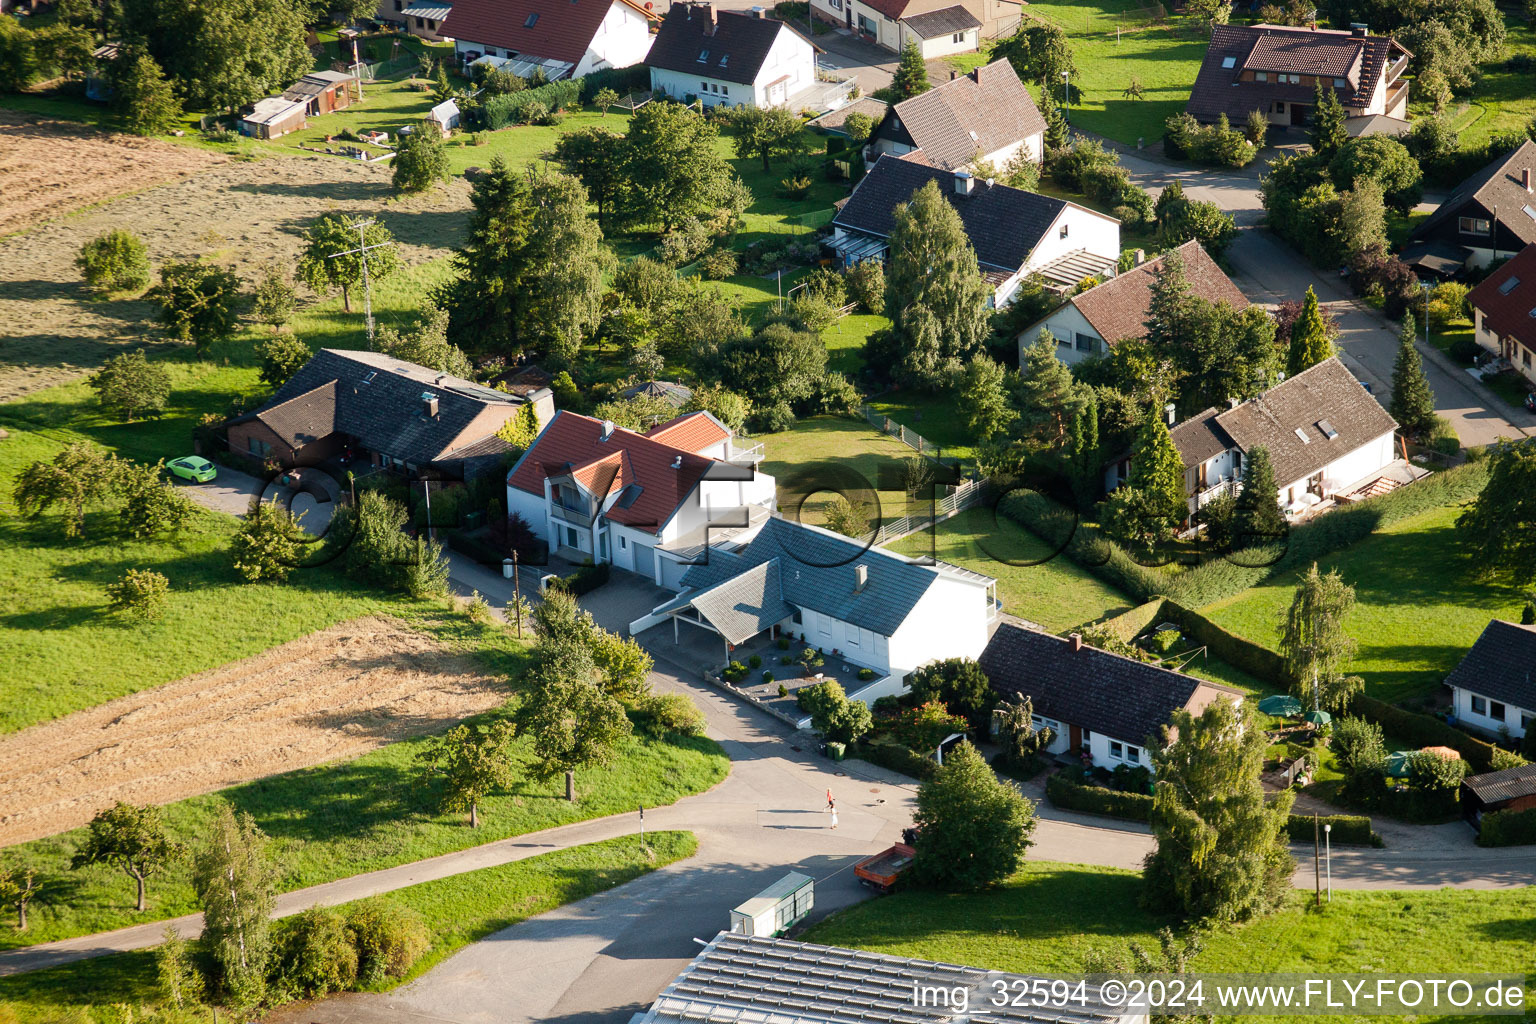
[[736, 609]]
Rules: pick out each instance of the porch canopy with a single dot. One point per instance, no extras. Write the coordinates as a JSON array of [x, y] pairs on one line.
[[738, 608]]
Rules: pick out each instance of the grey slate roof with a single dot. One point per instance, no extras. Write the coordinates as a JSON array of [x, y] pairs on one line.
[[1500, 664], [740, 607], [1498, 184], [734, 44], [1004, 224], [377, 399], [1099, 691], [943, 22], [816, 571], [1509, 784], [1200, 438], [756, 980], [983, 111]]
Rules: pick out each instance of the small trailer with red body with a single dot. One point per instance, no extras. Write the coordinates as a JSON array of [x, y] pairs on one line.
[[881, 871]]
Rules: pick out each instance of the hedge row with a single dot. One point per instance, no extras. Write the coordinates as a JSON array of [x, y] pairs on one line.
[[1253, 658], [636, 78], [508, 108], [895, 757], [1424, 730], [1508, 828], [1097, 800], [1350, 829], [1127, 626]]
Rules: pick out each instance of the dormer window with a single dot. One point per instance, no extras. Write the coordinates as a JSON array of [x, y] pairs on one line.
[[532, 19], [1229, 62]]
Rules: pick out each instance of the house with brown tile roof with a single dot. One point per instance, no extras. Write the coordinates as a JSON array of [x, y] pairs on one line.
[[563, 38], [1275, 70], [646, 503], [986, 115], [375, 409], [1328, 439], [731, 58], [1490, 215], [936, 27], [1504, 312], [1091, 322]]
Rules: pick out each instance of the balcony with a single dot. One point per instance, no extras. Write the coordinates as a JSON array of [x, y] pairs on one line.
[[1210, 494], [1396, 93], [745, 456], [577, 517]]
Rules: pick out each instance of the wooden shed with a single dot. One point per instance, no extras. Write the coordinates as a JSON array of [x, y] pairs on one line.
[[1513, 789], [323, 91], [272, 117]]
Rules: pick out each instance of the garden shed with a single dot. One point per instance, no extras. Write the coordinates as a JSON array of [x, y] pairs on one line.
[[272, 117], [1513, 789]]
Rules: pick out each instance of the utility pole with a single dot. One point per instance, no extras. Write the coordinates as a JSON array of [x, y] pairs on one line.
[[517, 592], [1328, 844], [361, 252], [1317, 865]]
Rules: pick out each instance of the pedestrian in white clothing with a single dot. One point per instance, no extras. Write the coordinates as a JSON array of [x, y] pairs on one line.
[[833, 808]]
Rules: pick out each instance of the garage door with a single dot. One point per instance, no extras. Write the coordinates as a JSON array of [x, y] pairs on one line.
[[672, 573], [645, 560]]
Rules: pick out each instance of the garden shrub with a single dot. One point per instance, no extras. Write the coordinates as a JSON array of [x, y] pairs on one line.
[[316, 954], [531, 105], [586, 579], [897, 758], [658, 714], [114, 261], [755, 661], [1508, 828], [719, 264], [141, 593], [1351, 829], [623, 81], [783, 643], [866, 286], [389, 938], [735, 672], [1073, 796], [1423, 730], [1465, 351], [866, 674], [1443, 437]]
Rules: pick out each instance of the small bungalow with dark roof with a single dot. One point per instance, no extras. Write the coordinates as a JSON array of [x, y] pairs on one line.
[[1504, 312], [1493, 689], [562, 38], [1328, 439], [1090, 323], [984, 116], [1490, 215], [731, 58], [1110, 706], [874, 608], [1015, 233], [321, 92], [1275, 70], [403, 417], [936, 27], [640, 502]]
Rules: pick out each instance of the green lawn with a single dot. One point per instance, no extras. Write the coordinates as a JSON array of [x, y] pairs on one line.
[[825, 453], [1502, 100], [933, 416], [1056, 593], [1051, 915], [340, 819], [458, 911], [1419, 606]]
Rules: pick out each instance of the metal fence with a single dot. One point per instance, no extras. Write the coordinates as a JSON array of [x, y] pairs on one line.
[[960, 498], [801, 224], [906, 435]]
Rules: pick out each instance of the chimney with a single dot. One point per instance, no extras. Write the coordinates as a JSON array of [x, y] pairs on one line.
[[1525, 178], [953, 74], [704, 11], [1168, 411], [1359, 29], [607, 430], [964, 183], [1076, 640], [860, 578], [1141, 256], [976, 74], [428, 404]]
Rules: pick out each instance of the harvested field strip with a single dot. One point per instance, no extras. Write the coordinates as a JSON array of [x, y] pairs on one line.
[[331, 695]]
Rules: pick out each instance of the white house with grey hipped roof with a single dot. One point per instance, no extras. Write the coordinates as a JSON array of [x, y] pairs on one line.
[[875, 609]]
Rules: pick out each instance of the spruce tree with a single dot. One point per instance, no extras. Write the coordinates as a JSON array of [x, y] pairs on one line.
[[1413, 403], [1328, 131], [1257, 518], [1057, 129], [1049, 396], [911, 73], [1310, 343], [1086, 457], [1157, 469]]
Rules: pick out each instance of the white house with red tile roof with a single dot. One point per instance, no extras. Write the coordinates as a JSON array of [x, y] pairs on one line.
[[566, 38], [648, 503]]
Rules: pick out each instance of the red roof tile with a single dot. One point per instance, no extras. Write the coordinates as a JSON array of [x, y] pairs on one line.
[[1118, 308], [563, 30], [573, 444], [1509, 310], [693, 432]]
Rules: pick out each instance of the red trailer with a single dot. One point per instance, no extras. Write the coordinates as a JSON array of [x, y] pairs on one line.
[[881, 871]]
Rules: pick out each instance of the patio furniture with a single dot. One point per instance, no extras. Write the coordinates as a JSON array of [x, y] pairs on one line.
[[1281, 704], [1318, 718]]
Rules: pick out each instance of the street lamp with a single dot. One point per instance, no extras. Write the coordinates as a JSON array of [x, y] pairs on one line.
[[1066, 93], [1426, 288], [1328, 857]]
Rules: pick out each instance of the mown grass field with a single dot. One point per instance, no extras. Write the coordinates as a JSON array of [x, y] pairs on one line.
[[1502, 100], [1050, 916], [458, 911], [1420, 605], [822, 454]]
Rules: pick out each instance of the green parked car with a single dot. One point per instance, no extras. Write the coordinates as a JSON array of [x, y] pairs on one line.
[[194, 468]]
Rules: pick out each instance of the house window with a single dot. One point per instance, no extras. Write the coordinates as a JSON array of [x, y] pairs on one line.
[[1290, 79], [836, 5], [1261, 76], [1525, 722], [1229, 62], [1087, 342], [1496, 711], [798, 618], [532, 19], [623, 543], [703, 56], [1525, 357], [260, 447], [1339, 83], [1132, 753], [1064, 228], [1087, 736], [958, 37], [703, 86], [1116, 750], [1479, 705], [431, 25], [399, 5], [1474, 226], [1509, 286], [1065, 339]]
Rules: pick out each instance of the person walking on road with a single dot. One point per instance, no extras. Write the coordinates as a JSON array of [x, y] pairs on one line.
[[832, 807]]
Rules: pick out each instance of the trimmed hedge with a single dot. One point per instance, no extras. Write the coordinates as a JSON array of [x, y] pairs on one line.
[[635, 78], [1424, 730], [1097, 800], [895, 757], [585, 580], [501, 111], [1255, 659], [1508, 828], [1350, 829], [1127, 626]]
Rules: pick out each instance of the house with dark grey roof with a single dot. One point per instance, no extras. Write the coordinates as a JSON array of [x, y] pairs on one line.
[[1015, 233], [936, 27], [640, 502], [731, 58], [1109, 706], [1328, 439], [1090, 323], [985, 116], [399, 416], [756, 980], [874, 608], [1491, 215], [1504, 313], [1493, 689], [1275, 70]]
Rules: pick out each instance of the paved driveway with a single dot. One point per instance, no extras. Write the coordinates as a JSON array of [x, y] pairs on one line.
[[233, 491]]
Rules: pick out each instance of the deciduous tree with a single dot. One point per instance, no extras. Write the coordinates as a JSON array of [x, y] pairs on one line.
[[467, 763], [983, 398], [131, 839], [78, 477], [596, 157], [1499, 528], [281, 357], [1221, 853], [273, 298], [957, 683], [140, 593], [266, 546], [129, 385], [18, 888], [674, 168], [198, 302], [143, 96], [565, 261], [323, 268], [1314, 643], [972, 829], [115, 261], [236, 883], [420, 159], [425, 343], [765, 132]]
